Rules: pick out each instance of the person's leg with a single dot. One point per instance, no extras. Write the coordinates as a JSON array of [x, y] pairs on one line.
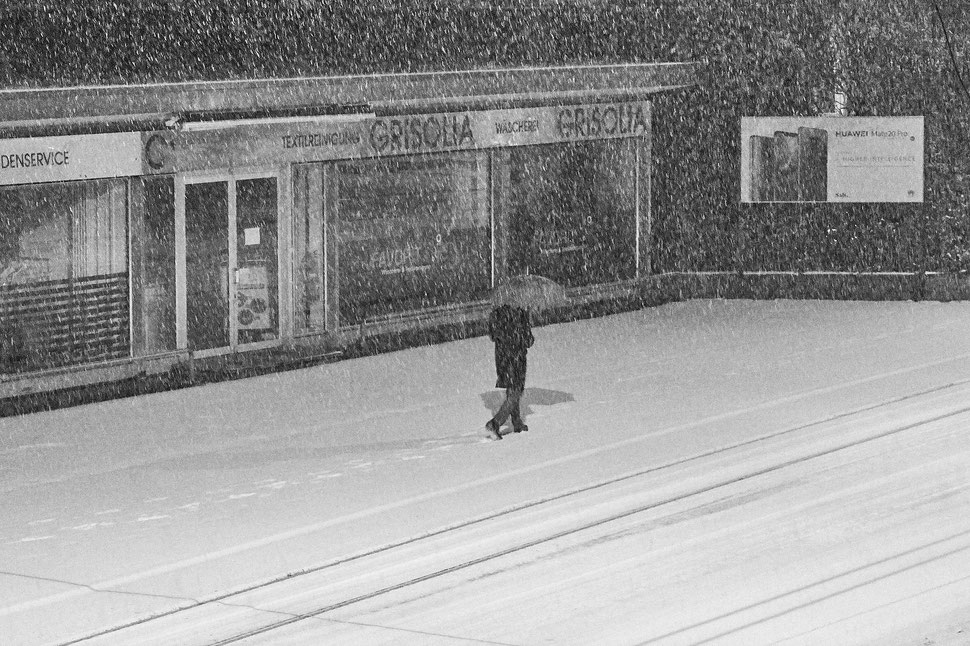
[[508, 407], [514, 395], [493, 425]]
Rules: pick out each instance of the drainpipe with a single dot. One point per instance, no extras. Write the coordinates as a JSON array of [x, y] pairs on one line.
[[837, 40]]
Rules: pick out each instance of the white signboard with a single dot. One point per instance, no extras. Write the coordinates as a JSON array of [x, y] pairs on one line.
[[832, 159], [58, 159]]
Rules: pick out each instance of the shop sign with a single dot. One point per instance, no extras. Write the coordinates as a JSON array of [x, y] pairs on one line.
[[502, 128], [158, 152], [320, 140], [59, 159], [421, 133], [832, 159], [246, 146], [601, 121]]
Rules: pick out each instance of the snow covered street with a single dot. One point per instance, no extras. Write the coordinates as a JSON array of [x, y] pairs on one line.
[[704, 472]]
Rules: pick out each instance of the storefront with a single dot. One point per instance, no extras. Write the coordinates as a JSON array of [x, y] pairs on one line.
[[217, 234], [64, 206], [392, 216]]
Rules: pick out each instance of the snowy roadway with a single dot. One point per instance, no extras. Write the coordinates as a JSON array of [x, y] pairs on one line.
[[705, 472]]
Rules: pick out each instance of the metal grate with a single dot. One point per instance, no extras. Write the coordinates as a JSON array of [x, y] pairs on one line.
[[63, 322]]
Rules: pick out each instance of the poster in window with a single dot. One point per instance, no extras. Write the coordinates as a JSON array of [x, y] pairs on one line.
[[252, 298]]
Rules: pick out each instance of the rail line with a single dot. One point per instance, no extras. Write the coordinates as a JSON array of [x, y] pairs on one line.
[[598, 522], [226, 599]]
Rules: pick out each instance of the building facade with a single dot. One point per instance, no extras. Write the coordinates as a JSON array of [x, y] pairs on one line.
[[149, 226]]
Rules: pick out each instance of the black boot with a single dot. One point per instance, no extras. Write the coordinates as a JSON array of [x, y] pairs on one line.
[[492, 429]]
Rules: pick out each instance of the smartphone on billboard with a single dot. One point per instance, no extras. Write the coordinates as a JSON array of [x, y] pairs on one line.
[[812, 164], [762, 168], [786, 166]]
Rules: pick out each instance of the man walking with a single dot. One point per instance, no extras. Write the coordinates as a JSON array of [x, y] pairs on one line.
[[510, 328]]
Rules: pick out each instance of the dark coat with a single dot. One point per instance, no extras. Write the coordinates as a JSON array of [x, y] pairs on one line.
[[511, 330]]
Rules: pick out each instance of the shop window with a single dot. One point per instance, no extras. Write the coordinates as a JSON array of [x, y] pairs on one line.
[[571, 211], [413, 233], [153, 267], [309, 295], [63, 274]]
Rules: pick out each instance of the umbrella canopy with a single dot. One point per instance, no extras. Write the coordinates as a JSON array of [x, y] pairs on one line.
[[530, 292]]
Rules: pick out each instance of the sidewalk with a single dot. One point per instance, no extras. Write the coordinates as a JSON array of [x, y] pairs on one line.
[[121, 510]]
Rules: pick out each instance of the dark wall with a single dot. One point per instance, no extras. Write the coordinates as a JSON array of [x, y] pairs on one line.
[[764, 58], [777, 61], [101, 41]]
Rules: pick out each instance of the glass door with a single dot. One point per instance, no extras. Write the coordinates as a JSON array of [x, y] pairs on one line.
[[207, 265], [256, 315], [231, 264]]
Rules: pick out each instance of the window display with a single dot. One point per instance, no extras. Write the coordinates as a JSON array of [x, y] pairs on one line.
[[413, 233], [309, 290], [153, 267], [63, 273], [572, 211]]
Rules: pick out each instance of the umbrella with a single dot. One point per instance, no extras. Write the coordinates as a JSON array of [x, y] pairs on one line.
[[530, 291]]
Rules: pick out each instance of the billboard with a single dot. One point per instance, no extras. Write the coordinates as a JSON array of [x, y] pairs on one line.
[[831, 159]]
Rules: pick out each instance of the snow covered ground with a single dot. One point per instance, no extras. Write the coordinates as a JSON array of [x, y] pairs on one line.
[[706, 471]]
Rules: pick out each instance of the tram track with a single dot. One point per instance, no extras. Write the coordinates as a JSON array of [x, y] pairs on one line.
[[858, 578], [236, 598], [599, 522]]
